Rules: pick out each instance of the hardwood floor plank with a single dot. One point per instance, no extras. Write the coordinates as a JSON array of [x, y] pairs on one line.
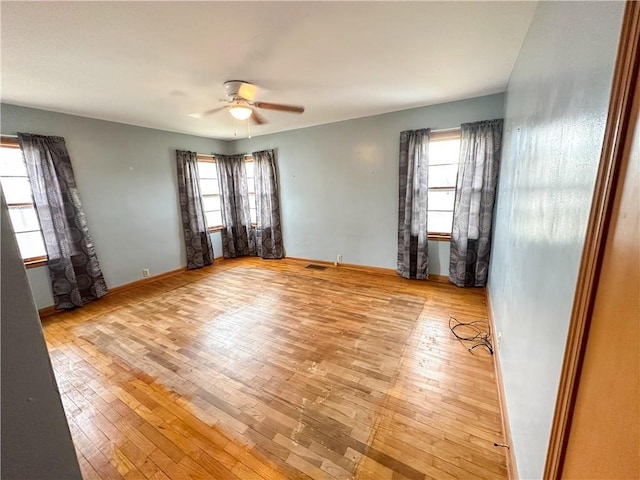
[[171, 450], [88, 472], [267, 370]]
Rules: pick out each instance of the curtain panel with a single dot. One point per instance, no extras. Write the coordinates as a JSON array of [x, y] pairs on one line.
[[194, 225], [413, 255], [268, 227], [480, 148], [238, 237], [74, 270]]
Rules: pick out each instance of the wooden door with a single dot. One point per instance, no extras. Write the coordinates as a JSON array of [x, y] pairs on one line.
[[604, 440]]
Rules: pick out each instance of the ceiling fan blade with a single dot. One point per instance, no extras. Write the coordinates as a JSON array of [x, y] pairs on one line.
[[257, 118], [279, 107], [213, 110]]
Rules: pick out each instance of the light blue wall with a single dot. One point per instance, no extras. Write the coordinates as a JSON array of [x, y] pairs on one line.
[[127, 180], [339, 186], [339, 182], [555, 116]]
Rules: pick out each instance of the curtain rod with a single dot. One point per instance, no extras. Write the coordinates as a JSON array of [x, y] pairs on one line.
[[214, 155], [10, 136]]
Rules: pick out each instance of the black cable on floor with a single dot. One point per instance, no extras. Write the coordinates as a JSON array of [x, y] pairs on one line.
[[472, 332]]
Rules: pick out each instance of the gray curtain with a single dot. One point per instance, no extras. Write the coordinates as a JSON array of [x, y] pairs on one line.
[[194, 226], [237, 234], [413, 255], [268, 229], [475, 196], [74, 270]]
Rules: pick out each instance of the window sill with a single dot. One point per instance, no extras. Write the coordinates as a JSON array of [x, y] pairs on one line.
[[35, 262], [439, 237]]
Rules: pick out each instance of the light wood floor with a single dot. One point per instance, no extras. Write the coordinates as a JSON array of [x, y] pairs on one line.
[[257, 369]]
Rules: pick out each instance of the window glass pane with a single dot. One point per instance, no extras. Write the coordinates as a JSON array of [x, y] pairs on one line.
[[254, 219], [16, 189], [442, 175], [24, 218], [251, 184], [249, 167], [211, 203], [441, 199], [31, 244], [439, 222], [214, 219], [12, 163], [444, 151], [207, 170], [208, 187]]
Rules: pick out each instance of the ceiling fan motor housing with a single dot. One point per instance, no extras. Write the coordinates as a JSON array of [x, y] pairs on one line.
[[233, 87]]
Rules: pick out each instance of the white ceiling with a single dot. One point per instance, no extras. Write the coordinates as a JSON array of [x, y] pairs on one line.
[[154, 63]]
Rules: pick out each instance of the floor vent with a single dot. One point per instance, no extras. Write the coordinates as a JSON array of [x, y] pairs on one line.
[[313, 266]]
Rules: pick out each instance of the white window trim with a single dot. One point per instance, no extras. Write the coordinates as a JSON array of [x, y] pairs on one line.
[[438, 136]]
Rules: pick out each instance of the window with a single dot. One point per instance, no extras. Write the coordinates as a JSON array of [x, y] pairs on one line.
[[444, 151], [210, 192], [22, 211], [251, 186]]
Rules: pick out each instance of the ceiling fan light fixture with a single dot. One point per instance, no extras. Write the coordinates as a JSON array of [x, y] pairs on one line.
[[240, 112]]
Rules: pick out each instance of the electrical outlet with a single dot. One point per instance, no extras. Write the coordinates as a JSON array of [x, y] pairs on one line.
[[498, 339], [145, 272], [339, 259]]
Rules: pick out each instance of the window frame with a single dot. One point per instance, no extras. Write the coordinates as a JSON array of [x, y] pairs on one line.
[[438, 136], [249, 159], [31, 262], [202, 157]]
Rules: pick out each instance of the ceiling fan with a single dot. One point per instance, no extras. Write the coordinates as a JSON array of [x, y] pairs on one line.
[[242, 106]]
